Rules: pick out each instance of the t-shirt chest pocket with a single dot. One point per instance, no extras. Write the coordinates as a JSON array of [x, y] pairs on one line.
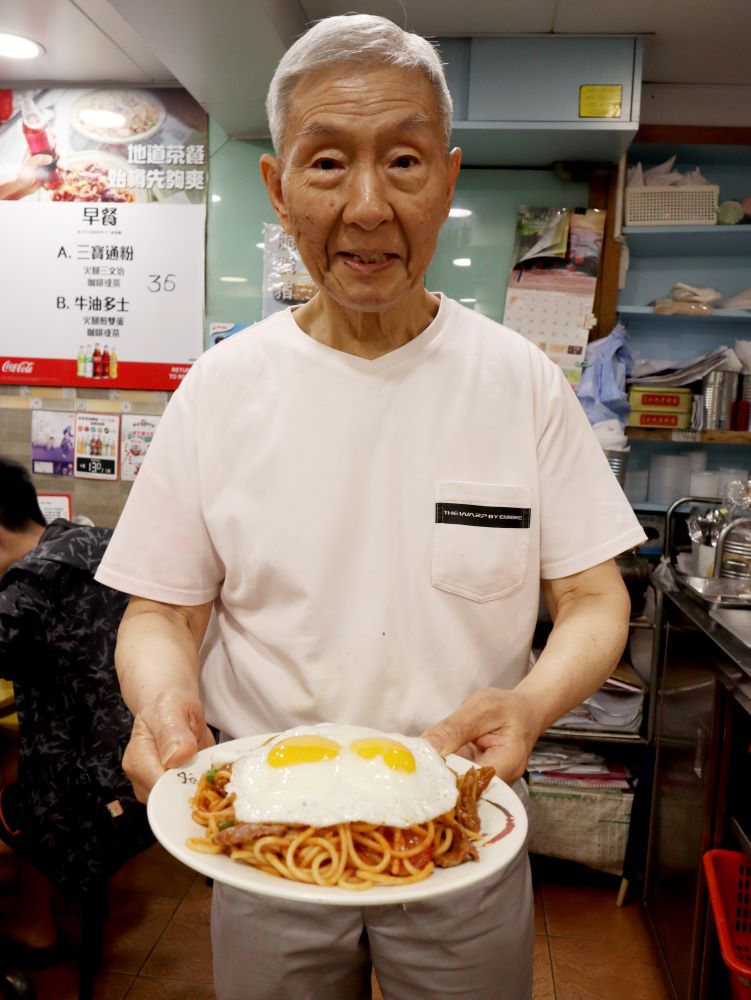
[[480, 538]]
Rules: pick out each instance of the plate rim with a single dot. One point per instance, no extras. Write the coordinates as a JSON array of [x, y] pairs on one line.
[[459, 878]]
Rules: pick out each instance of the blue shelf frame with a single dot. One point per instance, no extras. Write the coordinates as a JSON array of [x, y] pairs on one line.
[[689, 241], [719, 315]]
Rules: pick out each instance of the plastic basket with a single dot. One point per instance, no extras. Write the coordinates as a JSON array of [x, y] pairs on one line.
[[729, 883], [691, 205]]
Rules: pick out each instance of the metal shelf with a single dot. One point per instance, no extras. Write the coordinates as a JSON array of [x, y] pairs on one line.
[[596, 736], [641, 623], [705, 437]]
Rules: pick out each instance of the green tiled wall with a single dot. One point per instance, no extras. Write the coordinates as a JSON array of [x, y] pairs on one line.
[[235, 226]]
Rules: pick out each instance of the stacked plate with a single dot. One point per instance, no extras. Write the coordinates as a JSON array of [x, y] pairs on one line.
[[618, 461], [719, 389]]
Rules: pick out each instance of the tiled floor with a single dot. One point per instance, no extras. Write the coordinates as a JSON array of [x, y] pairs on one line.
[[587, 948], [157, 939]]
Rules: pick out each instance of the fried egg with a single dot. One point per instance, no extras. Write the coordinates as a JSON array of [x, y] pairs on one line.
[[327, 774]]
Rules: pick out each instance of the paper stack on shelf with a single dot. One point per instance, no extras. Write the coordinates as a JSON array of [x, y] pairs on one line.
[[678, 373], [552, 765], [616, 707]]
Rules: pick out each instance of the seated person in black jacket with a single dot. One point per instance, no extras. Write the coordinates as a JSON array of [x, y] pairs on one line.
[[70, 814]]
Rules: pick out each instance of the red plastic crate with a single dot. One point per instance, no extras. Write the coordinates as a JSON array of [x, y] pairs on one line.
[[729, 883]]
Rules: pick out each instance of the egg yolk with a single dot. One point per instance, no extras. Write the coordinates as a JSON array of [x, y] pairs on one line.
[[395, 755], [302, 750]]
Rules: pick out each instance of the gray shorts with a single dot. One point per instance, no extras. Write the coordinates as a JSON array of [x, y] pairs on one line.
[[476, 945]]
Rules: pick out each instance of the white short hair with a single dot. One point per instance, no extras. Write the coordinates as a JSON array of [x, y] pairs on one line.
[[354, 38]]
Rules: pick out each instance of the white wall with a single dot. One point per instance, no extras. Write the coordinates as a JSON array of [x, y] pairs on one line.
[[695, 104]]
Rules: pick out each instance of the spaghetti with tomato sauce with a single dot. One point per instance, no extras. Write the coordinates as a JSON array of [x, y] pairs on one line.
[[352, 855]]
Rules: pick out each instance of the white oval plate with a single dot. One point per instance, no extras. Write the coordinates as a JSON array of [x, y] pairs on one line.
[[110, 136], [503, 824]]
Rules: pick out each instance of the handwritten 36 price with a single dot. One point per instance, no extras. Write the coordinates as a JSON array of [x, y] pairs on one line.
[[161, 283]]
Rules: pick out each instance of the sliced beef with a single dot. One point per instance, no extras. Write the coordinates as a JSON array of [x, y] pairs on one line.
[[471, 786], [241, 833]]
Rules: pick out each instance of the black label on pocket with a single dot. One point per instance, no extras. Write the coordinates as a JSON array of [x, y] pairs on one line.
[[484, 517]]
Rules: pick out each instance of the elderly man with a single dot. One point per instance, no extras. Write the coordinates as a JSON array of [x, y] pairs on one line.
[[341, 589]]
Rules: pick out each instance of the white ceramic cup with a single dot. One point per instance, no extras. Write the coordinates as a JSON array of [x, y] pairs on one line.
[[704, 484], [703, 558]]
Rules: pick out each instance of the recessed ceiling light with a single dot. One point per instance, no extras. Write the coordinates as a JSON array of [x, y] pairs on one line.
[[216, 197], [468, 300], [459, 213], [463, 262], [101, 118], [18, 47], [233, 279]]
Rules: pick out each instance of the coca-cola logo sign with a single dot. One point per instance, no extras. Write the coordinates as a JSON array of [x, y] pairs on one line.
[[17, 367]]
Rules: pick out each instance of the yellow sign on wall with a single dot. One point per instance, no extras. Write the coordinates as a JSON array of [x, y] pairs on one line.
[[600, 100]]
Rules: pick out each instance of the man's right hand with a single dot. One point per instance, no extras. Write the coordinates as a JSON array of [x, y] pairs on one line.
[[167, 732]]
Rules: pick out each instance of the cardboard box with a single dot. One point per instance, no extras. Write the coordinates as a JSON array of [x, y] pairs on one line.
[[659, 418], [642, 397]]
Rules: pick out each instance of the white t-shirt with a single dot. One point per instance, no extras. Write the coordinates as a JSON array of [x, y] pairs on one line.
[[372, 533]]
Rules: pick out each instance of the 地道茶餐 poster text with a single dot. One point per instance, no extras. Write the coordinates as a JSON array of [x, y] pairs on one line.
[[102, 220], [286, 281], [551, 288]]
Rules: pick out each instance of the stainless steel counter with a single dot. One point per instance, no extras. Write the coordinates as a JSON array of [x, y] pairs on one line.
[[733, 663], [702, 675]]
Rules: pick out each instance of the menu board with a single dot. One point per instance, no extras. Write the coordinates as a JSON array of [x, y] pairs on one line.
[[102, 222]]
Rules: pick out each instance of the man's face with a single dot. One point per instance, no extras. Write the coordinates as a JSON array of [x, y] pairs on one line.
[[364, 182]]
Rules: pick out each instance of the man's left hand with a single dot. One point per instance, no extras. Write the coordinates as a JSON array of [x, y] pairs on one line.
[[494, 728]]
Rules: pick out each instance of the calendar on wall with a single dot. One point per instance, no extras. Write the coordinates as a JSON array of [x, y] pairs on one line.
[[551, 288], [558, 323]]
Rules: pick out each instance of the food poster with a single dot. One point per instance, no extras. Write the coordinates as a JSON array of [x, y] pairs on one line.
[[286, 281], [136, 433], [102, 222], [551, 288], [52, 442], [97, 446], [221, 331], [54, 505]]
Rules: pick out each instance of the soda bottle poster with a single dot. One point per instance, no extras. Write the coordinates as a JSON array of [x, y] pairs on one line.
[[102, 223], [52, 442], [136, 432], [97, 446]]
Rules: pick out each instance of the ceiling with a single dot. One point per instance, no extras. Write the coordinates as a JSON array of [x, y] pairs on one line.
[[224, 51]]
